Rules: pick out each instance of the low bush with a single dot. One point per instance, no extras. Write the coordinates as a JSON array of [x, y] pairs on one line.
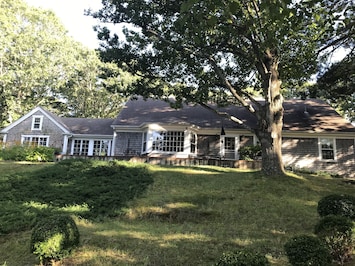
[[241, 258], [307, 250], [28, 153], [53, 238], [336, 231], [343, 205], [250, 152]]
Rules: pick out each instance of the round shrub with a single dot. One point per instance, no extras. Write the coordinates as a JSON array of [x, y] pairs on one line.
[[307, 250], [343, 205], [336, 231], [242, 257], [54, 237]]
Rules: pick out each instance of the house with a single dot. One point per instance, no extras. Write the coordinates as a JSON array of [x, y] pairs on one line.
[[315, 136], [74, 136]]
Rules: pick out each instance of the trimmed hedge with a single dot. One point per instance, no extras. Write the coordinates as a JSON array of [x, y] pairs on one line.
[[307, 250], [241, 258], [343, 205], [53, 238]]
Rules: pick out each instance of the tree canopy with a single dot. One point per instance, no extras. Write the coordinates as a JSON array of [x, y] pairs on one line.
[[41, 65], [215, 51]]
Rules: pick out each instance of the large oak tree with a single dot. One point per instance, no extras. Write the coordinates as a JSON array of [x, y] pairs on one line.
[[214, 51]]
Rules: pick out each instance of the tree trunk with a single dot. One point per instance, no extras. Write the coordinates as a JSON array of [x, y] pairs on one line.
[[270, 118]]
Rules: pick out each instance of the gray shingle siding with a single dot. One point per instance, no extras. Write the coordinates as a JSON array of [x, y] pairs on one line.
[[128, 143], [48, 129]]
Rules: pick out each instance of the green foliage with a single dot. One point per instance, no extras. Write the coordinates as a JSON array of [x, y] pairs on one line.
[[42, 65], [250, 152], [88, 188], [305, 250], [334, 204], [336, 231], [28, 153], [54, 237], [242, 257]]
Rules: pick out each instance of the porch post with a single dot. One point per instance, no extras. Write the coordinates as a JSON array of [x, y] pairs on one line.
[[113, 143], [65, 144]]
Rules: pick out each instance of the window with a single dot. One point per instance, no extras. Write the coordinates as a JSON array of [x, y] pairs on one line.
[[101, 147], [35, 140], [37, 122], [91, 147], [327, 148], [81, 147], [168, 141]]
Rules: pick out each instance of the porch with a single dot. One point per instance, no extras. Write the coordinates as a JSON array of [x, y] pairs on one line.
[[172, 160]]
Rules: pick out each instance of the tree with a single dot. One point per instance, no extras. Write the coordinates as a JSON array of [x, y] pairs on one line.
[[336, 80], [32, 48], [91, 90], [337, 85], [41, 65], [213, 51]]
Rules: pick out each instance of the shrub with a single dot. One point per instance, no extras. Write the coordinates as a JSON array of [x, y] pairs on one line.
[[28, 153], [336, 231], [250, 152], [307, 250], [54, 237], [343, 205], [242, 257]]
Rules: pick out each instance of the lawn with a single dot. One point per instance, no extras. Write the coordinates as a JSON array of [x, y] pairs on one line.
[[185, 216]]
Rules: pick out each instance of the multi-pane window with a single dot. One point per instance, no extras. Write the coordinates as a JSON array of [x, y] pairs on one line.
[[35, 140], [327, 149], [81, 147], [169, 141], [37, 122], [101, 147]]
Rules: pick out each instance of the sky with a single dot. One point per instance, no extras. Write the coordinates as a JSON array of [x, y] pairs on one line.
[[71, 14]]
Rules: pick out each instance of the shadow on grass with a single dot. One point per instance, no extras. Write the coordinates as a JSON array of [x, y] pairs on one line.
[[87, 188]]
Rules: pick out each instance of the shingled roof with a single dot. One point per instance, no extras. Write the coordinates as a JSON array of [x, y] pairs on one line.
[[89, 126], [300, 115]]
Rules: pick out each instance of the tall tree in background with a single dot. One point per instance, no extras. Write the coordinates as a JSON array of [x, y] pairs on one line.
[[215, 51], [93, 88], [336, 78], [337, 86], [41, 65]]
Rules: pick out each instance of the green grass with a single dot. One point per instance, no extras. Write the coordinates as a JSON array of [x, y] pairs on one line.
[[188, 216]]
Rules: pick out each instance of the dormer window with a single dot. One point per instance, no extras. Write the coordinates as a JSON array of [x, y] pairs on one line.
[[37, 122]]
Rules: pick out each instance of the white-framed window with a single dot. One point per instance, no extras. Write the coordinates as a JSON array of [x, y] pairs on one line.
[[168, 141], [91, 147], [327, 149], [35, 140], [37, 121], [81, 147], [101, 147]]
